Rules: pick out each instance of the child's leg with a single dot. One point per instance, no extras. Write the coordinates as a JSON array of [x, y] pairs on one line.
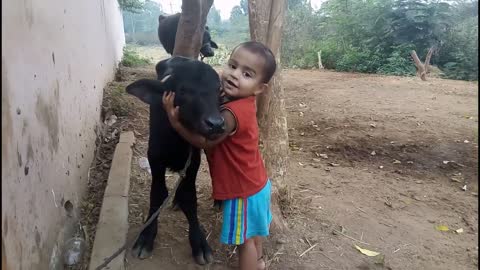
[[258, 244], [247, 255]]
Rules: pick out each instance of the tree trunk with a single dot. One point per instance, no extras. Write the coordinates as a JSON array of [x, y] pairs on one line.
[[320, 65], [271, 111], [422, 68], [259, 20], [188, 40]]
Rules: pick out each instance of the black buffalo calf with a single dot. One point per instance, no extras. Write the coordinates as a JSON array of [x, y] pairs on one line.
[[167, 31], [196, 86]]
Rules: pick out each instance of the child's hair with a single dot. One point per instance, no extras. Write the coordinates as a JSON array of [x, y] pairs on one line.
[[263, 51]]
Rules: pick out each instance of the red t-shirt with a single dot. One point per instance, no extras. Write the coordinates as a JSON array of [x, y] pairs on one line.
[[236, 166]]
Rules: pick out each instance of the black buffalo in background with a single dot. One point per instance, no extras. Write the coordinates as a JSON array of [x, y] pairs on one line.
[[167, 31]]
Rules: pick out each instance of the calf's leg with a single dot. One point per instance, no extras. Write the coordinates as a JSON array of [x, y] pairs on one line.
[[186, 199], [143, 246]]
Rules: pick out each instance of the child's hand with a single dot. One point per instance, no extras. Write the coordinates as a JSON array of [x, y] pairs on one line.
[[170, 109]]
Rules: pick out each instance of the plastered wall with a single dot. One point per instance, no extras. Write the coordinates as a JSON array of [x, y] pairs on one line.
[[57, 55]]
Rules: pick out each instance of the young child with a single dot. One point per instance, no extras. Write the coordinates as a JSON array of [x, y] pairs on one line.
[[239, 178]]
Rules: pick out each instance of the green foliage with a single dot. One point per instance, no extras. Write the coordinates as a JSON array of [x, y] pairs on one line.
[[132, 59], [133, 6], [377, 36], [372, 36], [144, 21], [221, 56], [355, 60]]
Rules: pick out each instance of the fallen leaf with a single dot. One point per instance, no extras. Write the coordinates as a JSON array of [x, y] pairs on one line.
[[367, 252], [459, 231], [373, 125], [334, 164], [373, 153], [397, 161], [456, 179], [464, 188], [442, 228], [325, 156]]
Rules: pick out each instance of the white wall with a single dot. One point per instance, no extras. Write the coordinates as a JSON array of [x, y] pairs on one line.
[[57, 55]]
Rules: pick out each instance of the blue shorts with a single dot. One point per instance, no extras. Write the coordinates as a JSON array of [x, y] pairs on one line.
[[244, 218]]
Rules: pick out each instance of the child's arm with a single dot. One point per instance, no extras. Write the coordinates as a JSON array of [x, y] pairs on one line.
[[196, 139]]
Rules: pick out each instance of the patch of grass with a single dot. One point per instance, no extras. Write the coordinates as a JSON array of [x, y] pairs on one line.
[[220, 58], [115, 100], [132, 59]]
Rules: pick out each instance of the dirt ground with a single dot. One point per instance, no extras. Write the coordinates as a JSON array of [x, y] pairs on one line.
[[376, 161]]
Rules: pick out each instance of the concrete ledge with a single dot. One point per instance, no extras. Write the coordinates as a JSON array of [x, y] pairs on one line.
[[112, 227]]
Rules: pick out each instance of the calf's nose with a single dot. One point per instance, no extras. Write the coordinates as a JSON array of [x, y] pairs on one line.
[[215, 124]]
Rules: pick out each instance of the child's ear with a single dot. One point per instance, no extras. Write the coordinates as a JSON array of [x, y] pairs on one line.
[[261, 89]]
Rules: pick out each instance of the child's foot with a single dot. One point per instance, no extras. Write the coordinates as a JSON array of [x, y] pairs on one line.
[[261, 264]]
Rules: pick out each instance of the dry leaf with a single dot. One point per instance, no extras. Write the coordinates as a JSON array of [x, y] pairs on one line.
[[367, 252], [459, 231], [442, 228]]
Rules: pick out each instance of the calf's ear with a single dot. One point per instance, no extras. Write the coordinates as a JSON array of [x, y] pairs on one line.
[[213, 44], [148, 91]]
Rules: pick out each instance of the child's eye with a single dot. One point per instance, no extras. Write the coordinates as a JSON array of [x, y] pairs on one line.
[[232, 66], [246, 74]]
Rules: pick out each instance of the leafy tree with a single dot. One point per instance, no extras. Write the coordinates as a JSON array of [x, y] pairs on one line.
[[134, 6]]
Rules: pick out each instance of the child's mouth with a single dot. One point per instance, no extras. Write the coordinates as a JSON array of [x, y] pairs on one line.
[[229, 82]]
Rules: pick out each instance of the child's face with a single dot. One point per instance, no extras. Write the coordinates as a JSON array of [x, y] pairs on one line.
[[243, 75]]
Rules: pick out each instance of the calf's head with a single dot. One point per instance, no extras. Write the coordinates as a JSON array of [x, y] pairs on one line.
[[208, 44], [197, 88]]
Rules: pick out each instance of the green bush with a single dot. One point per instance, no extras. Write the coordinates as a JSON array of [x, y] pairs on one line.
[[132, 59], [356, 60], [221, 56], [398, 65], [399, 62]]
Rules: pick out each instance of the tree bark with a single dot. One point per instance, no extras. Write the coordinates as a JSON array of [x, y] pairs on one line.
[[320, 65], [188, 40], [422, 68], [271, 111], [259, 20]]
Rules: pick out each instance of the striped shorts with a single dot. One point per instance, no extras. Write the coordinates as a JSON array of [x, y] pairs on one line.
[[244, 218]]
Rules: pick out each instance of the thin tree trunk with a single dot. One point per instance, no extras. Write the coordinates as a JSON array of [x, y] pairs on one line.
[[271, 106], [427, 59], [320, 65], [190, 27]]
